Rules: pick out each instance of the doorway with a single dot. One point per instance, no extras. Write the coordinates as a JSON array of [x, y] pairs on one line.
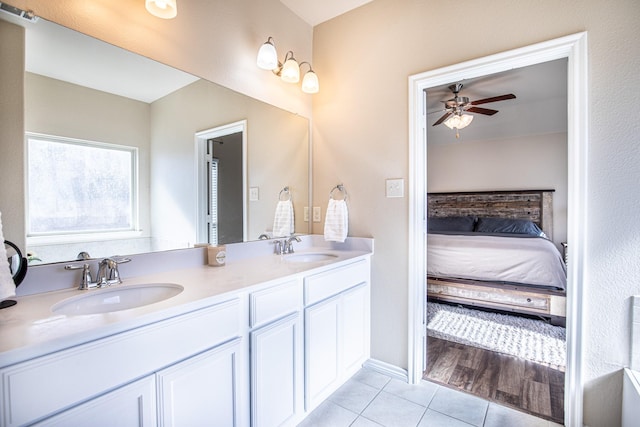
[[222, 164], [574, 49]]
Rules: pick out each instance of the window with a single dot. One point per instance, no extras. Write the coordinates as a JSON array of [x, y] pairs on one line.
[[79, 187]]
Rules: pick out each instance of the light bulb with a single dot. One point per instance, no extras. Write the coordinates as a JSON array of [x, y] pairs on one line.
[[267, 56], [310, 82], [165, 9], [290, 71]]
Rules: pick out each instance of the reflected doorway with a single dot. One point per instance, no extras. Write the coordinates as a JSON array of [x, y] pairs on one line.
[[222, 213]]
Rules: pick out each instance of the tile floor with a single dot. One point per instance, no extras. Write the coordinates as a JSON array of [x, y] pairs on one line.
[[371, 399]]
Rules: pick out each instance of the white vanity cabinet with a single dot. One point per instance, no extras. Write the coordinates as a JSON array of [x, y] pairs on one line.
[[277, 345], [336, 328], [260, 343], [91, 376], [202, 390]]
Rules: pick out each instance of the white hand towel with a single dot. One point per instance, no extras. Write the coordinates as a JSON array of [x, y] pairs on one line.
[[283, 224], [7, 286], [336, 222]]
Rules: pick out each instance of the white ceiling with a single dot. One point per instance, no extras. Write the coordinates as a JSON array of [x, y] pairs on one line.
[[316, 12]]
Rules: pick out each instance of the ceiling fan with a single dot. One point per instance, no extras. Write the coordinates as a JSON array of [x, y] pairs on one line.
[[458, 105]]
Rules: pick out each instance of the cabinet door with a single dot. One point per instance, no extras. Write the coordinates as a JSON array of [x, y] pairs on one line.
[[204, 390], [132, 405], [354, 324], [321, 350], [277, 372]]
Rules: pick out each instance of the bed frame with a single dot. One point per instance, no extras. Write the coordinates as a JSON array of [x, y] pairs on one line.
[[533, 205]]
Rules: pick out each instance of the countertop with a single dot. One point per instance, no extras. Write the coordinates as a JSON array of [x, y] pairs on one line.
[[30, 328]]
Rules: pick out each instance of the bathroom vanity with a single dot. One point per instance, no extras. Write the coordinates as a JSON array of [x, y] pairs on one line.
[[261, 341]]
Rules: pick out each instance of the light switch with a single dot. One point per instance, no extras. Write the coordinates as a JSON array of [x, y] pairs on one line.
[[306, 214], [254, 194], [316, 214], [395, 187]]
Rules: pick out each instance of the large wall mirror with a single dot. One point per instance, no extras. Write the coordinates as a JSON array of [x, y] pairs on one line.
[[81, 90]]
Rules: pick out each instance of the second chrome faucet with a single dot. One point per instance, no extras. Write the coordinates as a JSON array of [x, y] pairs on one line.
[[285, 246], [107, 275]]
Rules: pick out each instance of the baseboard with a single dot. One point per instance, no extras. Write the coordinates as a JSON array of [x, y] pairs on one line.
[[387, 369]]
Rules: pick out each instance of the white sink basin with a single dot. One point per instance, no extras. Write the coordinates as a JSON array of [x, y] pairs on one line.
[[310, 257], [117, 298]]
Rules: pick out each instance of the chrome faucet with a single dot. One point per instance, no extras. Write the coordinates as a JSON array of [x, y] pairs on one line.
[[287, 246], [108, 273]]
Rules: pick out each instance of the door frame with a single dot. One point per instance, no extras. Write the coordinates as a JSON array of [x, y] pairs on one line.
[[201, 138], [574, 48]]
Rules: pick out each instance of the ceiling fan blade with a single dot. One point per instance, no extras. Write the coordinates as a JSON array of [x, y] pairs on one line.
[[442, 119], [493, 99], [480, 110]]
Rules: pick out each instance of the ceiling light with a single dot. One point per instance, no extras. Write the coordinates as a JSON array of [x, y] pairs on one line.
[[289, 71], [458, 121], [165, 9]]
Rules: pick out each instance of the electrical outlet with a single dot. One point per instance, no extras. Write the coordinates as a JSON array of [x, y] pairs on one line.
[[254, 194], [316, 214], [395, 187], [306, 214]]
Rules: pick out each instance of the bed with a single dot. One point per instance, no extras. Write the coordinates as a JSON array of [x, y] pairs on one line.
[[495, 250]]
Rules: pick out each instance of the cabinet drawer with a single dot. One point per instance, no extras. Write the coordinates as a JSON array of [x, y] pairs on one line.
[[274, 302], [130, 405], [34, 389], [324, 285]]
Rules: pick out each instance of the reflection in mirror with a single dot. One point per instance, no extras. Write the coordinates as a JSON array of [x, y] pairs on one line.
[[71, 98]]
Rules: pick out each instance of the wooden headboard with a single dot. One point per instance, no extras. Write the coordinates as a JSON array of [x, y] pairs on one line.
[[533, 205]]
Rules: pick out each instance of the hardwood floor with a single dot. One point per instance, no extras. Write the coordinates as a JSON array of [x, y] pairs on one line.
[[508, 380]]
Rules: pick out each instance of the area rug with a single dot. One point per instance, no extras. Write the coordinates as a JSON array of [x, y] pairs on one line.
[[526, 338]]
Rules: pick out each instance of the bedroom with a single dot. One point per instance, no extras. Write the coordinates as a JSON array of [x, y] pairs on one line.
[[522, 147]]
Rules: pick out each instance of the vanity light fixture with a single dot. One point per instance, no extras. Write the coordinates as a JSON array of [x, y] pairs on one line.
[[165, 9], [289, 71]]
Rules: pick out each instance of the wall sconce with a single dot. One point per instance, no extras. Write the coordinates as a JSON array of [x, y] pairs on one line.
[[165, 9], [289, 70]]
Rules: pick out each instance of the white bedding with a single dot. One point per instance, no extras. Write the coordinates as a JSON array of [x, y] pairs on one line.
[[524, 260]]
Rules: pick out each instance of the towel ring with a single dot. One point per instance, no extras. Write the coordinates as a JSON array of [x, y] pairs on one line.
[[287, 194], [341, 189]]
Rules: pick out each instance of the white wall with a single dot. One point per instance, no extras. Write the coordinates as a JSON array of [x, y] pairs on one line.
[[529, 162], [361, 138]]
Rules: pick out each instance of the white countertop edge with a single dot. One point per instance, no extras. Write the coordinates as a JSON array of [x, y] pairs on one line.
[[30, 329]]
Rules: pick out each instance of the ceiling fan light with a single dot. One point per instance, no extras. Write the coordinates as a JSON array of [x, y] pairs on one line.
[[290, 71], [165, 9], [310, 82], [458, 121], [267, 56]]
